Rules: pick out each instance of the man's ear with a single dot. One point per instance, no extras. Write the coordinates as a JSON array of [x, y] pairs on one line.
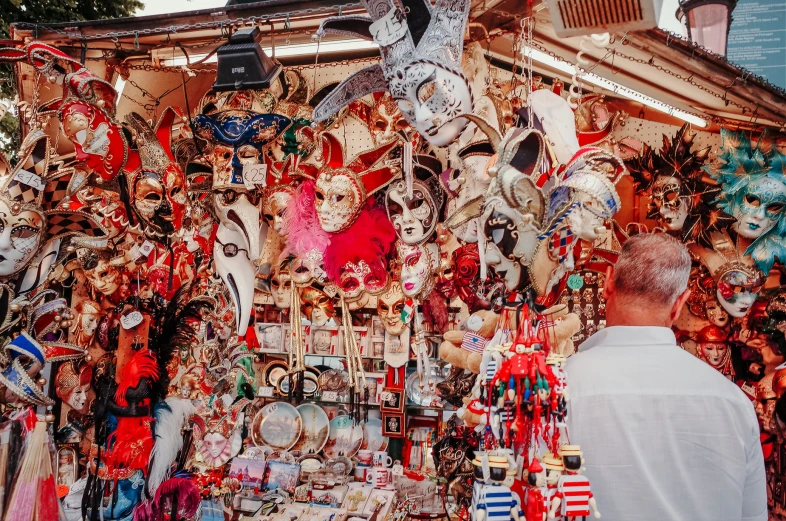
[[676, 309], [608, 287]]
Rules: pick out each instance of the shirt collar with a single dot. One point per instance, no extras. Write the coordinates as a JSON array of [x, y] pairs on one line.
[[630, 336]]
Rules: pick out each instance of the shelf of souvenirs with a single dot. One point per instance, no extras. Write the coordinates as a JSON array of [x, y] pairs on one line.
[[373, 405]]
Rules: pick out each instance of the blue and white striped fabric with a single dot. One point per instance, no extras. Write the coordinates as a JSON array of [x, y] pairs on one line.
[[497, 500]]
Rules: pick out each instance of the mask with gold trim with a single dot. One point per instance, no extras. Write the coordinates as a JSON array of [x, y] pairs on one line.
[[390, 304], [316, 305]]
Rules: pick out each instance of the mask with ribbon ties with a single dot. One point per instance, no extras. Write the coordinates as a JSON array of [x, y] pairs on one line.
[[34, 208], [421, 47]]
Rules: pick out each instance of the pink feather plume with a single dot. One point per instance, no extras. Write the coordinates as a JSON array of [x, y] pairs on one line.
[[302, 225]]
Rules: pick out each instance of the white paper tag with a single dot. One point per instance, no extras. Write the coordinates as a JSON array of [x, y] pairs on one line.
[[330, 396], [390, 28], [30, 179], [146, 248], [398, 470], [265, 392], [131, 320], [254, 175]]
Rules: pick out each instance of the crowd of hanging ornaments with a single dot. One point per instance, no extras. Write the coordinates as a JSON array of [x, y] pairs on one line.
[[168, 281]]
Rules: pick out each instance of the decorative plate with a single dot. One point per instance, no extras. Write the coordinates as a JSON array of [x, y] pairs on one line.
[[310, 463], [340, 465], [423, 395], [276, 425], [372, 435], [345, 437], [310, 385], [273, 372], [316, 427]]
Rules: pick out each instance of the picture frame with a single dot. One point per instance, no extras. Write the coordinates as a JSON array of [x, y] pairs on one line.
[[377, 329], [377, 347], [392, 400], [393, 425], [67, 471], [325, 341], [250, 472], [375, 383], [361, 337], [287, 337], [281, 475], [270, 337]]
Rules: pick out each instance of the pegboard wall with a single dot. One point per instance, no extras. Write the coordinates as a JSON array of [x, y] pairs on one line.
[[651, 133]]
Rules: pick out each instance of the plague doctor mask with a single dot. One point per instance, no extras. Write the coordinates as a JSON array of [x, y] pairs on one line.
[[415, 218], [421, 48]]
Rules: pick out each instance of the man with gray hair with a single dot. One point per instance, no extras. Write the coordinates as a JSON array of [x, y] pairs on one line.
[[666, 437]]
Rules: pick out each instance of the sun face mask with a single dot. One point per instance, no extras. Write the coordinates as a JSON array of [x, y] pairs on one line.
[[421, 48], [158, 186], [343, 187], [415, 218]]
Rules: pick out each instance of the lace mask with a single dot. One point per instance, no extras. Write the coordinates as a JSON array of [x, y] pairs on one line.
[[421, 48], [390, 304], [157, 186], [343, 187]]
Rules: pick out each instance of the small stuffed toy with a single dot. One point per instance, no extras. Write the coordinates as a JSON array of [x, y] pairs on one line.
[[565, 326], [465, 348]]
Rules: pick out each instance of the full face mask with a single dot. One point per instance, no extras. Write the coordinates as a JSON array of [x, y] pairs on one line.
[[33, 212], [382, 117], [418, 263], [343, 187], [158, 186], [281, 286], [670, 206], [415, 218], [316, 305], [390, 304], [754, 192], [421, 48]]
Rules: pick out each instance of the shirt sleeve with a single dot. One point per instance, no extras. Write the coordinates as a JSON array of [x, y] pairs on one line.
[[754, 495]]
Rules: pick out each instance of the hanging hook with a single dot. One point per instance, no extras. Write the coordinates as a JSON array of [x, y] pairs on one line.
[[136, 40]]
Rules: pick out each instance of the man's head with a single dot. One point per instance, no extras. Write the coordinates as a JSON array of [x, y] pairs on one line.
[[648, 284]]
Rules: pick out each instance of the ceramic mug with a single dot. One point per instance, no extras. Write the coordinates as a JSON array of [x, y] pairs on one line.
[[382, 477], [382, 460], [360, 472], [370, 476], [365, 457]]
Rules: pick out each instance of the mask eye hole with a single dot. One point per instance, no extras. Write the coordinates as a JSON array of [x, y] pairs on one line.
[[319, 196], [774, 208], [426, 91], [752, 200], [381, 125]]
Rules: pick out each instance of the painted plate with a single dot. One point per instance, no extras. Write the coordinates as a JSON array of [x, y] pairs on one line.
[[316, 427], [372, 436], [277, 425], [345, 437]]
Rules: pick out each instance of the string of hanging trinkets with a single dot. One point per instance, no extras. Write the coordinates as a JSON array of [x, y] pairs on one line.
[[356, 374], [297, 349]]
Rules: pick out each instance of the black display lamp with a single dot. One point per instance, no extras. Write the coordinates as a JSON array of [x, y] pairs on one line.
[[242, 64], [708, 22]]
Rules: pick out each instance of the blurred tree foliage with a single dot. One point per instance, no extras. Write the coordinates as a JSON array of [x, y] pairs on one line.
[[47, 11]]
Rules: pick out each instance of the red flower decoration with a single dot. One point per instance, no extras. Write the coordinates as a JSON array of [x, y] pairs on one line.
[[725, 290]]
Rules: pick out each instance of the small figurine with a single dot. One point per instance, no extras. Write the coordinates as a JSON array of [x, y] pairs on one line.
[[573, 489], [494, 500], [554, 471], [535, 510]]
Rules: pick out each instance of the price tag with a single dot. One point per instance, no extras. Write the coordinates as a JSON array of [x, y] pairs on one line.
[[575, 281], [146, 248], [265, 392], [30, 179], [330, 396], [390, 28], [131, 320], [398, 470], [254, 175], [270, 409]]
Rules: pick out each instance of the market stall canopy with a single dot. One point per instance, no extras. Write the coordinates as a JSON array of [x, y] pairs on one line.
[[661, 74]]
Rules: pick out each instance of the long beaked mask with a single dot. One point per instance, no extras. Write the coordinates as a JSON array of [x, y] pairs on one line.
[[415, 218], [343, 187], [158, 186], [421, 48], [390, 304], [236, 268], [753, 179]]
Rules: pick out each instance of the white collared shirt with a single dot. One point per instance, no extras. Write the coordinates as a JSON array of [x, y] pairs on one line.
[[665, 436]]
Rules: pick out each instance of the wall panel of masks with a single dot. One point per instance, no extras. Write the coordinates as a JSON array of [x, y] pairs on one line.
[[239, 312]]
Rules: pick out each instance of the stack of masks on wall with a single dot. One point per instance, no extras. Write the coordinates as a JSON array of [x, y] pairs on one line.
[[132, 265]]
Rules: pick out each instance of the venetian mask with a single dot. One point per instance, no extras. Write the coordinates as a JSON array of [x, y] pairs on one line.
[[358, 279], [105, 277], [342, 189], [667, 202], [88, 313], [73, 384], [390, 304], [761, 207], [281, 286], [421, 69], [235, 266], [304, 271], [274, 205], [737, 289], [510, 243], [21, 235], [158, 186], [382, 116], [715, 313], [415, 218], [418, 263], [316, 305]]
